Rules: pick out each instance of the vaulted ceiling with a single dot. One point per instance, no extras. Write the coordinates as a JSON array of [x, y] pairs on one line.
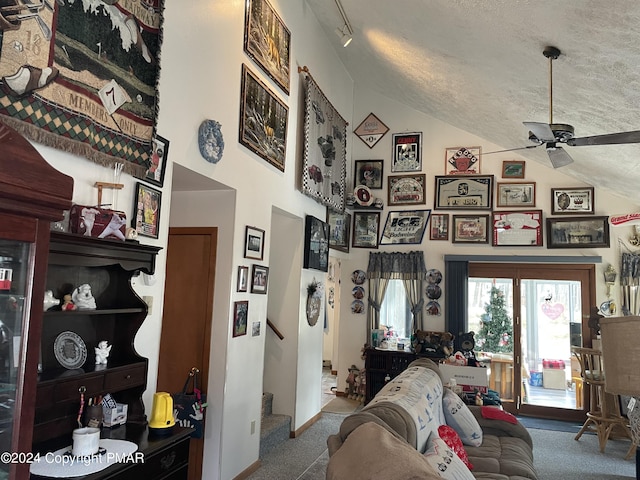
[[478, 65]]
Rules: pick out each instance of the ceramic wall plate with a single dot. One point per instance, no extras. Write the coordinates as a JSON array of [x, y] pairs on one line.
[[434, 276], [210, 141], [434, 291], [357, 306], [364, 198], [70, 350], [358, 277], [433, 308], [357, 292]]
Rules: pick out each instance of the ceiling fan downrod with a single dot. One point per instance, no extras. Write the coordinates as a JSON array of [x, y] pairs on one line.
[[552, 53]]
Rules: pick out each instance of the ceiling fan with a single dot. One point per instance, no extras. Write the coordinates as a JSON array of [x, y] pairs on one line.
[[552, 135]]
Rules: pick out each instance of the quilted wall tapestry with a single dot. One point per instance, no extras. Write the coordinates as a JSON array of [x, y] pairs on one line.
[[324, 169], [81, 76]]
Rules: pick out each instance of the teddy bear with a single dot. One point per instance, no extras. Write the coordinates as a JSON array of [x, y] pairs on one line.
[[467, 344], [421, 342]]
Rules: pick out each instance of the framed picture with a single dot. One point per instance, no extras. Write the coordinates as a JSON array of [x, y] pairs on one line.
[[259, 279], [240, 316], [439, 226], [462, 161], [572, 201], [471, 229], [578, 232], [267, 41], [407, 189], [158, 158], [404, 227], [339, 230], [407, 152], [253, 243], [366, 226], [316, 244], [368, 173], [146, 220], [517, 228], [263, 120], [371, 130], [243, 278], [516, 194], [471, 192], [513, 169]]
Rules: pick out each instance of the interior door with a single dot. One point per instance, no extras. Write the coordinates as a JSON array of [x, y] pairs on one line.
[[548, 306], [187, 316]]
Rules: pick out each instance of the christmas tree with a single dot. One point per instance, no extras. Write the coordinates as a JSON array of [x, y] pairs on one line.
[[496, 331]]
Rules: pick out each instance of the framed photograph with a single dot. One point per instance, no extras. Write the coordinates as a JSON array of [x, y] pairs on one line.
[[513, 169], [339, 230], [243, 278], [255, 329], [516, 194], [371, 130], [158, 158], [407, 152], [462, 161], [267, 41], [572, 201], [578, 232], [471, 229], [521, 228], [253, 243], [439, 229], [263, 120], [368, 173], [259, 279], [366, 227], [405, 227], [240, 316], [407, 189], [316, 244], [471, 192], [146, 220]]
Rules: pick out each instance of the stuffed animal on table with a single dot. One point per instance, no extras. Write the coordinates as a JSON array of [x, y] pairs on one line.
[[467, 344]]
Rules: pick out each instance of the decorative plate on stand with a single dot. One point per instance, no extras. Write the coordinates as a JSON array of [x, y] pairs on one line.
[[70, 350]]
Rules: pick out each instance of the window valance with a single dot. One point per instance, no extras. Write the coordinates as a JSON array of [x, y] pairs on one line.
[[397, 265]]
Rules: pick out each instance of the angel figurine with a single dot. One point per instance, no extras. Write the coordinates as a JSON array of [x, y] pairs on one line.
[[102, 352]]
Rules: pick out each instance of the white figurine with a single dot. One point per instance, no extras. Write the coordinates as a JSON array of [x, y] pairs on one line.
[[102, 352], [50, 300], [82, 297]]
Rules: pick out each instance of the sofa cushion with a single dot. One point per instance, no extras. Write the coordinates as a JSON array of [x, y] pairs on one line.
[[509, 456], [458, 416], [371, 452], [445, 461], [452, 439]]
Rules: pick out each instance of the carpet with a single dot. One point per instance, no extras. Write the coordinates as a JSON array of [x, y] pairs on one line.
[[547, 424], [342, 405]]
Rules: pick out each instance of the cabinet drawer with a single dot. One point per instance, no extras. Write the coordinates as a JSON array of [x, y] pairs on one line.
[[166, 461], [70, 390], [44, 395], [126, 378]]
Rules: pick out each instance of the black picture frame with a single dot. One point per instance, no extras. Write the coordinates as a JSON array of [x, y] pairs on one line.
[[259, 279], [316, 244], [578, 232], [406, 155], [369, 173], [240, 317], [366, 228], [339, 230], [407, 189], [146, 205], [263, 120], [253, 243], [572, 201], [158, 158]]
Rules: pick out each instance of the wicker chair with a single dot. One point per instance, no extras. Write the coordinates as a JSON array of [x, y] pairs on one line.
[[604, 408]]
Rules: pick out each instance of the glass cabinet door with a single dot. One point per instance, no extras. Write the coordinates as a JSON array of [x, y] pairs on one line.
[[15, 275]]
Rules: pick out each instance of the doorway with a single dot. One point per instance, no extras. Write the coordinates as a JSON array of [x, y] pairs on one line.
[[526, 319], [187, 317]]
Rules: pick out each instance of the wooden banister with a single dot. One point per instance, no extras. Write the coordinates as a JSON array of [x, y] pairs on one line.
[[275, 329]]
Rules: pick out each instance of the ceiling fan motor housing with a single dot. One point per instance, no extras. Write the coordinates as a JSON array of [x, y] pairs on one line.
[[562, 132]]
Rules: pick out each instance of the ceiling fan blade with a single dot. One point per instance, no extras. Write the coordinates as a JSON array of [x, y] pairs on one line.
[[608, 139], [542, 131], [558, 156]]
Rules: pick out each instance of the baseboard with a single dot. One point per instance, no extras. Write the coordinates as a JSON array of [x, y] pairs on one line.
[[310, 422], [246, 473]]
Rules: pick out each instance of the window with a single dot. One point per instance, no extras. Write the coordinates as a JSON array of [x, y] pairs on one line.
[[395, 311]]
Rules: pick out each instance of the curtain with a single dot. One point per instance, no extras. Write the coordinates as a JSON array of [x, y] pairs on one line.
[[457, 286], [630, 283], [383, 266]]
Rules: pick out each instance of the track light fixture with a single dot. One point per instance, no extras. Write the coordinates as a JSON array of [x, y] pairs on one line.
[[346, 32]]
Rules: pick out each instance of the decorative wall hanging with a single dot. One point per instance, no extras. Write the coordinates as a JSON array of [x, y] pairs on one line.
[[158, 162], [472, 192], [358, 277], [407, 189], [84, 80], [253, 243], [462, 161], [572, 201], [516, 194], [470, 229], [324, 168], [259, 279], [267, 41], [210, 141], [513, 169], [146, 206], [316, 244], [263, 120], [517, 228], [439, 226], [368, 173], [339, 230], [240, 316], [578, 232], [404, 227], [314, 302], [406, 155], [366, 226], [371, 130]]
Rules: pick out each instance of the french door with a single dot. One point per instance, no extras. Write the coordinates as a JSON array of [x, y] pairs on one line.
[[526, 318]]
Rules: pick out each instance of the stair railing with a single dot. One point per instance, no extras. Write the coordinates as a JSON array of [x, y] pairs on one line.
[[275, 329]]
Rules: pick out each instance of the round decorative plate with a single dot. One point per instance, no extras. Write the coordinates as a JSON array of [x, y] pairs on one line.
[[210, 141], [364, 198], [358, 277], [357, 306], [433, 308], [70, 350], [358, 292], [434, 291], [434, 276]]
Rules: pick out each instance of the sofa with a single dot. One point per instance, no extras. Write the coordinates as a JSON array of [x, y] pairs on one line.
[[398, 435]]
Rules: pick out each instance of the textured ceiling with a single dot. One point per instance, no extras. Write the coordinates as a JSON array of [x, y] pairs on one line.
[[478, 65]]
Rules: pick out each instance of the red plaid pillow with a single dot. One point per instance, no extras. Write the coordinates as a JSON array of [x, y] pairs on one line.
[[452, 439]]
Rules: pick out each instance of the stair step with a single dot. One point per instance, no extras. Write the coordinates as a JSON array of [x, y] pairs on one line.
[[274, 430], [267, 404]]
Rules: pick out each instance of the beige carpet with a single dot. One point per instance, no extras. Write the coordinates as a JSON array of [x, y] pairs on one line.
[[342, 405]]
